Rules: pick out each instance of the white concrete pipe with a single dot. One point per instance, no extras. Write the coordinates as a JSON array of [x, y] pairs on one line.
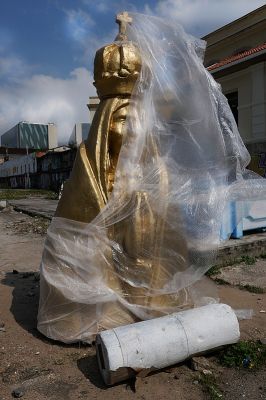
[[164, 341]]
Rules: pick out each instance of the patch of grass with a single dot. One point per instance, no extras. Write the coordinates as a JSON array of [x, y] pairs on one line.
[[16, 194], [210, 386], [252, 289], [235, 261], [248, 260], [244, 354], [213, 270], [220, 281], [51, 195]]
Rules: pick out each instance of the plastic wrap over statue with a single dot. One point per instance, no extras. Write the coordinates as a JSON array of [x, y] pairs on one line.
[[139, 220]]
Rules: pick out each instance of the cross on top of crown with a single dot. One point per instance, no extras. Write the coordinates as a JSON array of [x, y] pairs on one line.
[[123, 19]]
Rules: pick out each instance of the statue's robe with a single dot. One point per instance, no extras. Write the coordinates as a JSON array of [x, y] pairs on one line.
[[138, 266]]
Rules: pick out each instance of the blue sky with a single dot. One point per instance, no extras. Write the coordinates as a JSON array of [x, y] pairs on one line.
[[47, 49]]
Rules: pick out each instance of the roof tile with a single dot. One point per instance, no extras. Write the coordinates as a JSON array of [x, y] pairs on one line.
[[237, 57]]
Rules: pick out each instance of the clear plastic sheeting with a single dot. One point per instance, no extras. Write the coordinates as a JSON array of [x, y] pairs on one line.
[[181, 161]]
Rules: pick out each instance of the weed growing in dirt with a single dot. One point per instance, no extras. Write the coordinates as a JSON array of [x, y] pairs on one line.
[[244, 354], [248, 260], [213, 270], [252, 289], [220, 281], [210, 386], [16, 194]]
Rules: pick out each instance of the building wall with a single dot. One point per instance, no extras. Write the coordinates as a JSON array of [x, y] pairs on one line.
[[79, 133], [31, 136], [47, 171], [240, 82], [258, 73], [82, 131], [16, 172], [251, 86], [19, 166], [53, 169], [52, 136], [10, 138], [92, 106]]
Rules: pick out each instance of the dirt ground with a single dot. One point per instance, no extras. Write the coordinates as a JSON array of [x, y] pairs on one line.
[[38, 368]]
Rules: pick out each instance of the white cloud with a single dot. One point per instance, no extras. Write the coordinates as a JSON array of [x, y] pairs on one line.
[[13, 68], [200, 17], [80, 28], [78, 24], [101, 6], [44, 98]]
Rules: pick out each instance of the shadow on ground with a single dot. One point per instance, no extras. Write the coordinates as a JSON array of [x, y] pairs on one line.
[[25, 302], [89, 367]]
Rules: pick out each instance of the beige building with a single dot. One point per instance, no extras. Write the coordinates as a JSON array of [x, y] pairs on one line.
[[236, 57], [92, 106]]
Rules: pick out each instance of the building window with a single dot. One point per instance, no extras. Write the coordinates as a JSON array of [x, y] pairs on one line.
[[233, 103]]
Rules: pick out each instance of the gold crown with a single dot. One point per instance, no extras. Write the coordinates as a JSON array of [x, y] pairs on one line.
[[116, 69]]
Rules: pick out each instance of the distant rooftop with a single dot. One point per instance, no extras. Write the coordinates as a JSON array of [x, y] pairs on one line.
[[261, 49], [36, 123]]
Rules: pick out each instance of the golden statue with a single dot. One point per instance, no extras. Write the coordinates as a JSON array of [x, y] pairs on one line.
[[116, 69]]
